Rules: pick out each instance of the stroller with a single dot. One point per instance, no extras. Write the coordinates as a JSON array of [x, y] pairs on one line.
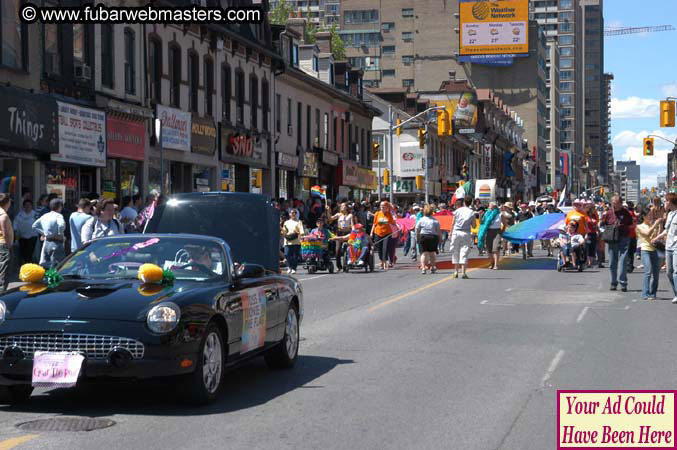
[[315, 255], [351, 254]]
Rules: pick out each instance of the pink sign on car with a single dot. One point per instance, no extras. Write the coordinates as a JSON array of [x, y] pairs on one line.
[[56, 369]]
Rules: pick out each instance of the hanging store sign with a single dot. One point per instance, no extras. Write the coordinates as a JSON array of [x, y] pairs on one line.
[[310, 165], [330, 158], [125, 138], [176, 130], [203, 136], [349, 175], [28, 121], [487, 150], [82, 135]]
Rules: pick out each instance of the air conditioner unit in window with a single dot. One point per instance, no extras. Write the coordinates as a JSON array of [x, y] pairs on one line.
[[82, 71]]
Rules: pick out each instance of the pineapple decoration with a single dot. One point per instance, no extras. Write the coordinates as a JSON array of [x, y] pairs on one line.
[[38, 279], [154, 279]]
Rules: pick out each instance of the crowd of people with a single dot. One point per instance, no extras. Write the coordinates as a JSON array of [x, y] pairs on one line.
[[46, 233]]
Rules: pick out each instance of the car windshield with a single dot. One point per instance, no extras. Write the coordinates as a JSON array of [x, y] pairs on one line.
[[188, 258]]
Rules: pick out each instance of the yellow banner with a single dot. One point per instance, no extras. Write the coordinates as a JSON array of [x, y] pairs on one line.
[[494, 28]]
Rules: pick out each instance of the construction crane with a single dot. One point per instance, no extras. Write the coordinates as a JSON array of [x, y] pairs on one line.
[[616, 31]]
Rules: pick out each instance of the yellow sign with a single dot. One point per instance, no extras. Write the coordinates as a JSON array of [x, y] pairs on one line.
[[462, 108], [494, 28]]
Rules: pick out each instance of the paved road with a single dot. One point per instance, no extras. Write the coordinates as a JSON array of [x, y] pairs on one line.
[[400, 360]]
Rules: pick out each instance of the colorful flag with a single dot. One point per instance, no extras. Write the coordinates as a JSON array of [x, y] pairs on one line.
[[318, 191]]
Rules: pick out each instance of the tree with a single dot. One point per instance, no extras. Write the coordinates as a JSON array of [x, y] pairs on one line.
[[309, 33], [280, 13], [338, 50]]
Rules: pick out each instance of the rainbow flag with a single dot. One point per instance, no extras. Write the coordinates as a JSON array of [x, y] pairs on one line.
[[8, 185], [318, 191]]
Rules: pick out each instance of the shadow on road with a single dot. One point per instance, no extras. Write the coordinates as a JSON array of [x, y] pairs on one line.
[[245, 387], [528, 264]]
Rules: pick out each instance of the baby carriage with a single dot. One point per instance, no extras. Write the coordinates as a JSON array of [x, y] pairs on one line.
[[315, 254]]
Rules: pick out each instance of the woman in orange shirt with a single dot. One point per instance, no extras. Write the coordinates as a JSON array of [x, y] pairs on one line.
[[380, 232]]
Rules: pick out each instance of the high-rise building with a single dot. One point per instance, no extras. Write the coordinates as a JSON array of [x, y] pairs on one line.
[[630, 184], [323, 13], [594, 82], [605, 129]]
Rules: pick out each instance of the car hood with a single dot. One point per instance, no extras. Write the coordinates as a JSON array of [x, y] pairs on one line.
[[93, 299]]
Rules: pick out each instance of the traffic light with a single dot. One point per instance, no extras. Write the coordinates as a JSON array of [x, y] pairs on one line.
[[648, 146], [258, 180], [443, 126], [667, 113], [601, 191], [386, 177], [419, 182], [398, 130], [375, 150], [421, 138]]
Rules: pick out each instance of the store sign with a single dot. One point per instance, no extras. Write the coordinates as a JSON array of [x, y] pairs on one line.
[[330, 158], [487, 150], [28, 121], [411, 160], [288, 161], [82, 135], [176, 132], [203, 138], [349, 173], [125, 138], [310, 165], [404, 186], [241, 145]]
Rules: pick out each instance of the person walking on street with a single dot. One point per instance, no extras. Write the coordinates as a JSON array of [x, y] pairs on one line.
[[508, 218], [489, 236], [428, 235], [77, 221], [23, 228], [52, 227], [292, 230], [646, 231], [618, 217], [128, 214], [523, 215], [632, 246], [6, 239], [461, 237], [103, 225], [380, 232], [670, 236]]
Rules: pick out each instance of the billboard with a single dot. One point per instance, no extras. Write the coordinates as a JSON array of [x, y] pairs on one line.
[[494, 28], [463, 109]]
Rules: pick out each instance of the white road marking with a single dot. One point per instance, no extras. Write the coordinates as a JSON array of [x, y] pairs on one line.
[[312, 278], [582, 314], [484, 302], [553, 366], [508, 290], [625, 308]]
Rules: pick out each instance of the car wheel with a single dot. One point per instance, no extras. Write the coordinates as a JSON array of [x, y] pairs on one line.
[[285, 353], [10, 395], [204, 385], [331, 267]]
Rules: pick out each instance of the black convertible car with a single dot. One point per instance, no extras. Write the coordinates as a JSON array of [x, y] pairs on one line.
[[215, 314]]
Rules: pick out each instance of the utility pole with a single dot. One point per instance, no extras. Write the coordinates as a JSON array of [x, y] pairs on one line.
[[391, 145], [427, 163]]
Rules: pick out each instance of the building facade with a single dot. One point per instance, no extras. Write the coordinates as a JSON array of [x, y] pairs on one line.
[[630, 181]]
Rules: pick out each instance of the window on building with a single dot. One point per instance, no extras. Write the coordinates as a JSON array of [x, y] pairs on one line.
[[253, 101], [265, 104], [389, 72], [318, 130], [566, 40], [51, 46], [407, 60], [130, 61], [226, 91], [331, 74], [278, 112], [566, 112], [335, 134], [566, 63], [407, 82], [387, 26], [566, 16], [174, 65], [566, 125], [361, 39], [209, 86], [407, 12], [239, 96], [407, 36], [566, 86], [289, 115], [565, 4], [566, 27], [295, 55], [566, 51], [299, 125], [108, 58], [316, 64], [79, 43], [193, 80], [13, 35], [326, 130], [309, 120], [566, 99], [360, 16], [566, 75], [388, 50], [343, 136]]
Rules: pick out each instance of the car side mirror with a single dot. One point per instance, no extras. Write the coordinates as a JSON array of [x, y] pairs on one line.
[[249, 271]]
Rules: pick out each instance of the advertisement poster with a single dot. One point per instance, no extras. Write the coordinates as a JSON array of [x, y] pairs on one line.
[[485, 190], [253, 319], [463, 107], [411, 160], [176, 128], [58, 189], [494, 28], [82, 135]]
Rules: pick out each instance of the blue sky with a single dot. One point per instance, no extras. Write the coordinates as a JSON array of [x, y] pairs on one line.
[[645, 71]]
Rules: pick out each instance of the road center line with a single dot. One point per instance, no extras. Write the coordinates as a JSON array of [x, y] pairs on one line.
[[311, 278], [582, 314], [8, 444], [553, 366]]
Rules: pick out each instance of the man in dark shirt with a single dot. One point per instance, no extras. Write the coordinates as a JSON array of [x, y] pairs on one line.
[[523, 215], [618, 250]]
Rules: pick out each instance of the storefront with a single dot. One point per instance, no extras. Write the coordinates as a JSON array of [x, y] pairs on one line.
[[310, 173], [347, 179], [367, 182], [330, 162], [28, 129], [72, 173], [126, 145], [174, 156], [203, 142], [243, 160], [286, 176]]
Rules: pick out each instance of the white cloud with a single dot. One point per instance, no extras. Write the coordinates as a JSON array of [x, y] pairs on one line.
[[634, 108], [669, 89], [628, 146]]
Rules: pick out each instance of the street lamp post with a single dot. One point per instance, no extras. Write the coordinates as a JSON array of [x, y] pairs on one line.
[[158, 143]]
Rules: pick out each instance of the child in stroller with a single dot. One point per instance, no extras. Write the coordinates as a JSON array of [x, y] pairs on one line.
[[315, 248], [572, 248], [357, 251]]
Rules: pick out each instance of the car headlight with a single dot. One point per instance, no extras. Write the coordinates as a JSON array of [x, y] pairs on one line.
[[3, 311], [163, 318]]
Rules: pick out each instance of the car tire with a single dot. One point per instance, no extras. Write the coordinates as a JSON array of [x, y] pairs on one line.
[[330, 267], [286, 352], [10, 395], [204, 385]]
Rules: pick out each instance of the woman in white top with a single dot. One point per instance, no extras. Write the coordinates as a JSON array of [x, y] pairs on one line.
[[428, 235], [344, 225], [292, 230]]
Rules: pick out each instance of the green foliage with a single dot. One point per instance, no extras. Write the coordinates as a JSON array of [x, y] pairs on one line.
[[280, 13], [53, 278], [309, 33], [338, 50]]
